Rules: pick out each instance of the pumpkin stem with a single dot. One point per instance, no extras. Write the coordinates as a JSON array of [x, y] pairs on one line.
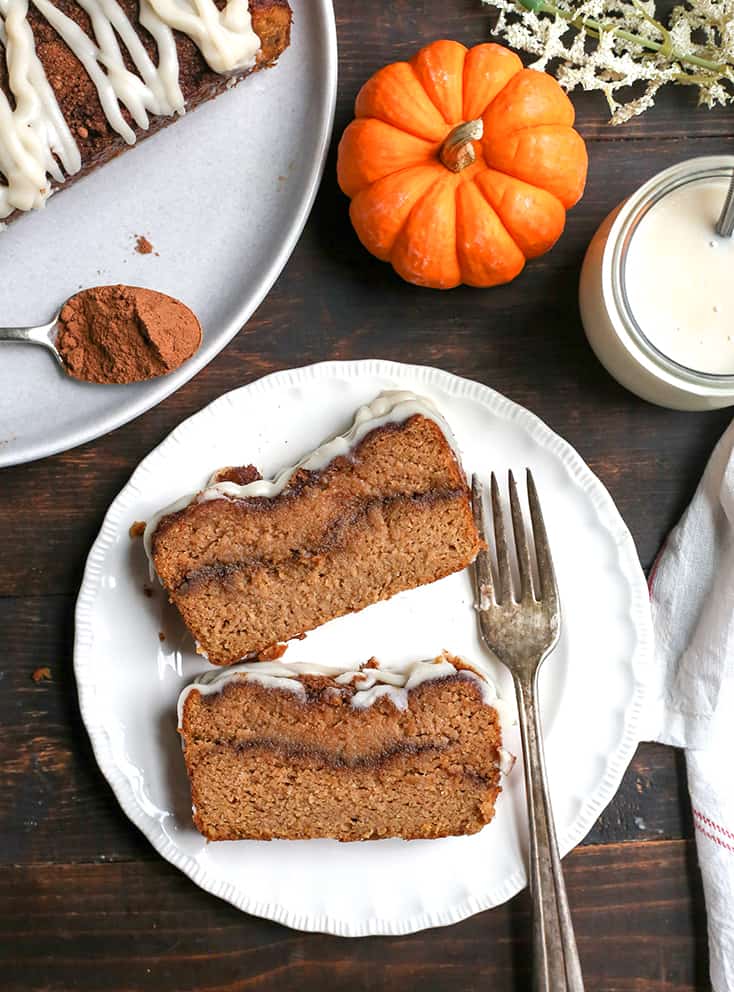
[[457, 151]]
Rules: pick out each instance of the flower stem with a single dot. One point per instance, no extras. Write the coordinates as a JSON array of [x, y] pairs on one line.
[[596, 29]]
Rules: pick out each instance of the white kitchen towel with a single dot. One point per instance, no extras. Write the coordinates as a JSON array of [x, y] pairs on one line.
[[692, 590]]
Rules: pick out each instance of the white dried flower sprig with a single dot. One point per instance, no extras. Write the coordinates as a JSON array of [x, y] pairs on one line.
[[611, 45]]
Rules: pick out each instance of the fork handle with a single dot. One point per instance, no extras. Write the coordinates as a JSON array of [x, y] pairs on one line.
[[557, 967]]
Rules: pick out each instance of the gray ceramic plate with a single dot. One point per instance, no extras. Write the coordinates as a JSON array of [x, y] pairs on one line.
[[222, 195]]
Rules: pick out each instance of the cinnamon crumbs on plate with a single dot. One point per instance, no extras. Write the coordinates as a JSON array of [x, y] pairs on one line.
[[143, 246], [272, 653]]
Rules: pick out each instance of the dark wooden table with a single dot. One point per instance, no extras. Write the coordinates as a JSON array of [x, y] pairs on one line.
[[85, 903]]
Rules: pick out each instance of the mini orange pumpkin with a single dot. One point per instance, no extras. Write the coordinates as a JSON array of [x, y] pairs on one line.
[[460, 165]]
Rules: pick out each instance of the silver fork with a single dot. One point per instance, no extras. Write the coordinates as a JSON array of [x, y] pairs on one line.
[[522, 632]]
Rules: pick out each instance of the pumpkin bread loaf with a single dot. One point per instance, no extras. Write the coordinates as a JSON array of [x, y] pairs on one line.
[[303, 751], [379, 510], [77, 97]]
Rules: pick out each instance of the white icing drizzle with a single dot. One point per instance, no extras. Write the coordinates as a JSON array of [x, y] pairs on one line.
[[390, 407], [225, 38], [116, 86], [35, 131], [395, 681]]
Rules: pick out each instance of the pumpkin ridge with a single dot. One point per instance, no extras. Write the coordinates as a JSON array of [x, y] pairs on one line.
[[357, 169], [378, 232], [428, 95], [405, 243], [475, 222], [512, 175], [525, 127], [529, 98], [376, 94], [534, 217], [504, 63], [559, 170], [456, 210], [419, 200], [504, 226], [504, 172], [449, 123]]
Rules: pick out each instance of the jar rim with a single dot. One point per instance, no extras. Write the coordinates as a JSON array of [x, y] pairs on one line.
[[649, 195]]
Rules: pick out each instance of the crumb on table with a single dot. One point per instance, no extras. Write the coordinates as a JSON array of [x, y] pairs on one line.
[[42, 674]]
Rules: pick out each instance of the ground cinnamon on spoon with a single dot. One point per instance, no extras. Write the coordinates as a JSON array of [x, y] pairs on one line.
[[121, 334]]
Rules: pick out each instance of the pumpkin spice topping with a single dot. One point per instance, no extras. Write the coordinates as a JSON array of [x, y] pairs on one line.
[[123, 334]]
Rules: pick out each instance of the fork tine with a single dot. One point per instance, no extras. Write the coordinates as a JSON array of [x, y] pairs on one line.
[[504, 577], [546, 572], [521, 543], [482, 563]]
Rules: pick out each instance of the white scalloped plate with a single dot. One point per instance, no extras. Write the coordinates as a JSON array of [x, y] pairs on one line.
[[592, 687], [223, 195]]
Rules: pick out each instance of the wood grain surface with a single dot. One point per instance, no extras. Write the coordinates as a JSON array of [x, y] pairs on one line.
[[84, 901]]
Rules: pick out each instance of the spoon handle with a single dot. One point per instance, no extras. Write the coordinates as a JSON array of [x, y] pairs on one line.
[[28, 334], [725, 223], [31, 335]]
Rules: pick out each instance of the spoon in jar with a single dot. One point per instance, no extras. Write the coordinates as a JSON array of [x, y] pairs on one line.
[[725, 223], [116, 334]]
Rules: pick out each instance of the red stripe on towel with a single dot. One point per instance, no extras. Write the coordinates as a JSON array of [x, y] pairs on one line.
[[714, 838], [712, 824]]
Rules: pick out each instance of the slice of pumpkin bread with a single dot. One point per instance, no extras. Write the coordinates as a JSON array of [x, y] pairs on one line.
[[302, 751], [368, 514]]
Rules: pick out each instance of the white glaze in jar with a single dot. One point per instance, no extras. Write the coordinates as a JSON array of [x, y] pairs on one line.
[[655, 290]]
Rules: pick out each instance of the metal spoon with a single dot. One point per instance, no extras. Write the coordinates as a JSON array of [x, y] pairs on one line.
[[725, 223], [157, 357], [44, 334]]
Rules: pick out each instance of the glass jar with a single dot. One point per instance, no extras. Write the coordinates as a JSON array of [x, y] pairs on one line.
[[621, 342]]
